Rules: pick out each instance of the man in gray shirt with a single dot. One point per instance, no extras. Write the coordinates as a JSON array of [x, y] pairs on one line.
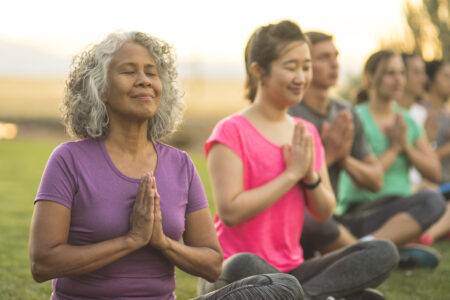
[[346, 146]]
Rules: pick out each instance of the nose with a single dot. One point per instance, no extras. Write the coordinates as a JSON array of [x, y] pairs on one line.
[[142, 79], [300, 77]]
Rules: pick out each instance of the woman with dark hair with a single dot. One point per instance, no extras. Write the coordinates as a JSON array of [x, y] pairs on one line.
[[438, 88], [267, 167], [394, 212], [112, 206]]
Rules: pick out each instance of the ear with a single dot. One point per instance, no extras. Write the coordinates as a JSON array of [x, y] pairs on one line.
[[256, 70]]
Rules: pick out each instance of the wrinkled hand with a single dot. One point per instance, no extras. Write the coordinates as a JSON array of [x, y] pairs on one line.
[[159, 239], [142, 216], [337, 138], [299, 156], [397, 133]]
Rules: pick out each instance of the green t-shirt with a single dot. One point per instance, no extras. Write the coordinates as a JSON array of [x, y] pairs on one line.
[[395, 179]]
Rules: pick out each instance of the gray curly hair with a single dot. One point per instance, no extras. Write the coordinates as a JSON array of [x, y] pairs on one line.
[[84, 112]]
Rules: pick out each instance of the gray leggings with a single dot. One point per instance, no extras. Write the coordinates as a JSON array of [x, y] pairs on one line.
[[266, 286], [340, 273], [426, 207]]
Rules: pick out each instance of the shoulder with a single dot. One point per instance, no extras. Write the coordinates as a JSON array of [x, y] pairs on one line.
[[362, 108], [172, 154], [341, 104], [75, 148], [232, 121]]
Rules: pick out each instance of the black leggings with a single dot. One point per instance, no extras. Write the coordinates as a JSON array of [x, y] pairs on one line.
[[426, 207], [340, 273]]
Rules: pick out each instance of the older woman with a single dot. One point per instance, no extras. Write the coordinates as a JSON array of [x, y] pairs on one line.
[[112, 206]]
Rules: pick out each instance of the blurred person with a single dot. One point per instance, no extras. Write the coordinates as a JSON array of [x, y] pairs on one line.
[[267, 168], [394, 212], [438, 88], [112, 206], [412, 101], [343, 138]]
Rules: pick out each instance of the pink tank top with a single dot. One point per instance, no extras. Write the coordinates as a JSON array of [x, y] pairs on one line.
[[275, 233]]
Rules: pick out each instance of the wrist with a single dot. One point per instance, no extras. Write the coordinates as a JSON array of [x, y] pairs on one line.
[[312, 181], [132, 242], [310, 177], [164, 245]]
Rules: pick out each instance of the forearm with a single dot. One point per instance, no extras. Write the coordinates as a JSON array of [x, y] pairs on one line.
[[321, 199], [204, 262], [444, 151], [426, 163], [66, 260], [365, 175], [388, 157], [250, 203], [321, 203]]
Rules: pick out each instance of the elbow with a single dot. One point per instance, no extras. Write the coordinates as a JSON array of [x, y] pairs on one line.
[[215, 268], [376, 185], [229, 219], [38, 272], [377, 180], [435, 175]]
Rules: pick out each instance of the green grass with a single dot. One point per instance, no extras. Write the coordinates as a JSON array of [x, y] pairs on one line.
[[21, 166]]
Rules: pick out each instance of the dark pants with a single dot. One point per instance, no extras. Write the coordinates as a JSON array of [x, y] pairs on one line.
[[426, 207], [340, 273]]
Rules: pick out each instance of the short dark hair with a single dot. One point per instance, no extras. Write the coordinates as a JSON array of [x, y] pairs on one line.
[[432, 68], [316, 37], [264, 46]]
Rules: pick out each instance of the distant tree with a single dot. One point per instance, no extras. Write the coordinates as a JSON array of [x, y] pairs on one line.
[[427, 29]]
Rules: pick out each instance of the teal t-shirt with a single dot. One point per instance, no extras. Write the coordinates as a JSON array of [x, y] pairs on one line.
[[395, 179]]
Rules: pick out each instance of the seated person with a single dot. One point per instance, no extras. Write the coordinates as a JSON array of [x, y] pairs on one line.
[[267, 168], [344, 141], [394, 213], [112, 206]]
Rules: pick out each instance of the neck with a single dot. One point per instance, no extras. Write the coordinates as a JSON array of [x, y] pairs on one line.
[[407, 100], [267, 108], [380, 107], [129, 137], [436, 100], [317, 99]]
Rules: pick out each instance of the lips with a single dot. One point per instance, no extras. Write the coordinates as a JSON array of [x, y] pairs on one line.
[[143, 96], [296, 90]]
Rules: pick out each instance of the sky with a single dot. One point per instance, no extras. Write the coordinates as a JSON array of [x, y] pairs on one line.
[[202, 32]]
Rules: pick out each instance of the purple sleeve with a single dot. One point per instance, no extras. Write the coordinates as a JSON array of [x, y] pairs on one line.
[[196, 194], [58, 182]]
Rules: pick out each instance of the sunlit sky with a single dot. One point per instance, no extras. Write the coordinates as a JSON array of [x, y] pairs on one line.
[[200, 30]]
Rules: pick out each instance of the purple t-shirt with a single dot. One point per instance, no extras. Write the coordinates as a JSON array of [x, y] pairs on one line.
[[81, 176]]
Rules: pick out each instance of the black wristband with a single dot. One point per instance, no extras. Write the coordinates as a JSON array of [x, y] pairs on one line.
[[312, 185]]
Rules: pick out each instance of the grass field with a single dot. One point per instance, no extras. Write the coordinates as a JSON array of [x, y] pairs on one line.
[[21, 166]]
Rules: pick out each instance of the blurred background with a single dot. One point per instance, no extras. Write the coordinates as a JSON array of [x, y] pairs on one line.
[[39, 38]]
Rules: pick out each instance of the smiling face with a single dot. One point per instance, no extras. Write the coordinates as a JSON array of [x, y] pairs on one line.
[[325, 64], [134, 87], [289, 75]]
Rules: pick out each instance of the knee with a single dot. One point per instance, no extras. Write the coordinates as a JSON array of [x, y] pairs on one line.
[[320, 234], [279, 286], [242, 265], [381, 254], [433, 206]]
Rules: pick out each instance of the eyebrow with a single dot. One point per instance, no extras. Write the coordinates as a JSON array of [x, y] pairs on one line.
[[134, 65], [295, 61]]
